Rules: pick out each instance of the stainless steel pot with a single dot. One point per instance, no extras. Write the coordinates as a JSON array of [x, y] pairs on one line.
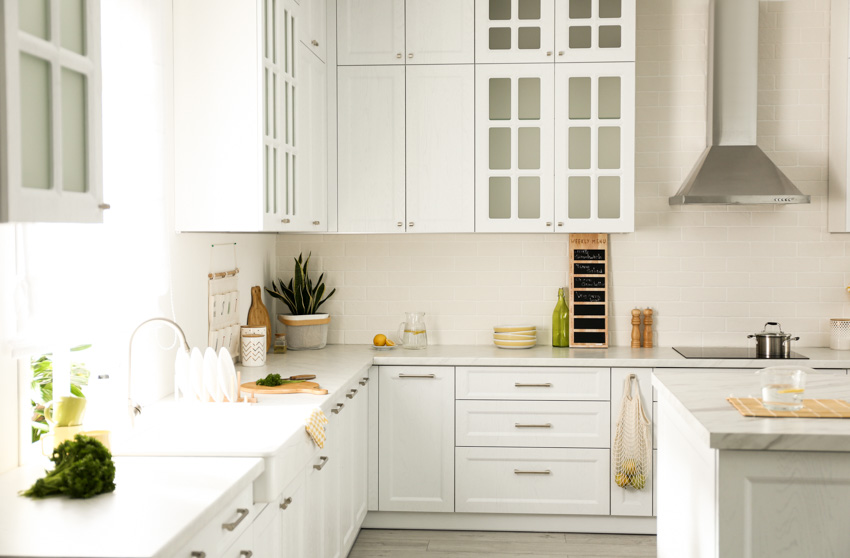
[[773, 344]]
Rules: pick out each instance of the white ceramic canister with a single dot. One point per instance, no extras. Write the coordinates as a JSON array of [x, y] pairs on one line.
[[839, 334], [253, 351]]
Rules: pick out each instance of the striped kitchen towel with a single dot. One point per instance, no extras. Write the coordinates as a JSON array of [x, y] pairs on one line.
[[316, 427]]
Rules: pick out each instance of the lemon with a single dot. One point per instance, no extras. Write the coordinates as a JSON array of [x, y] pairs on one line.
[[630, 467], [639, 481], [621, 480], [390, 343], [380, 340]]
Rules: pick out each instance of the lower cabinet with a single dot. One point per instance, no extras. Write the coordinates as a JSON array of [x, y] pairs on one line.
[[292, 506]]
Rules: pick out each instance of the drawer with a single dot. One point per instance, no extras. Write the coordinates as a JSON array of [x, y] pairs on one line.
[[214, 538], [533, 383], [536, 480], [534, 424]]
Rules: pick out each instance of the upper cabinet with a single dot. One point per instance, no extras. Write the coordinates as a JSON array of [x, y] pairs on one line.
[[520, 31], [839, 116], [313, 29], [405, 32], [246, 113], [50, 129]]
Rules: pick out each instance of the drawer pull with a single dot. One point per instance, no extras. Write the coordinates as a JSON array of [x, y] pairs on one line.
[[547, 425], [517, 384], [339, 407], [546, 472], [286, 503], [320, 466], [351, 394], [363, 381], [198, 554], [246, 554], [243, 513], [417, 375]]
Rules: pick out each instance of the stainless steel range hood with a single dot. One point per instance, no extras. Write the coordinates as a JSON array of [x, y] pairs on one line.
[[733, 169]]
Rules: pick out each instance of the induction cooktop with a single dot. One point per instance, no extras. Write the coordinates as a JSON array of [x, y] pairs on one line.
[[730, 352]]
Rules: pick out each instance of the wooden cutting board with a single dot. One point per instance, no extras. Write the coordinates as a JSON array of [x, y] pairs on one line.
[[258, 316], [812, 408], [300, 387]]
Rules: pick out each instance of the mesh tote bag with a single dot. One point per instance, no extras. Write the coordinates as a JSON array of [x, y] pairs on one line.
[[632, 443]]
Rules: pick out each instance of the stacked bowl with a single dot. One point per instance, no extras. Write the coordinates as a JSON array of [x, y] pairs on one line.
[[515, 336]]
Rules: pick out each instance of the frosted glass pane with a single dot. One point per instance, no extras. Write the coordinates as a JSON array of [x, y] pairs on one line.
[[74, 136], [579, 98], [500, 10], [529, 98], [580, 37], [36, 154], [609, 97], [34, 18], [72, 19], [273, 28], [287, 117], [528, 197], [288, 185], [610, 8], [609, 147], [529, 38], [579, 147], [500, 38], [267, 111], [500, 197], [287, 33], [609, 36], [500, 148], [274, 179], [609, 197], [274, 106], [580, 9], [529, 9], [500, 99], [267, 23], [578, 197], [267, 177], [528, 144]]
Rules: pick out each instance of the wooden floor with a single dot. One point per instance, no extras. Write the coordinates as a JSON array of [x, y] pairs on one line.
[[483, 544]]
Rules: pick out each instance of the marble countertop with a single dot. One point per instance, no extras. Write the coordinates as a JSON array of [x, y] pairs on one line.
[[698, 399], [157, 506]]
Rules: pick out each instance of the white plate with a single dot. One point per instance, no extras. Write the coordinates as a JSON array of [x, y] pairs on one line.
[[506, 347], [183, 375], [197, 374], [211, 377], [384, 348], [226, 374]]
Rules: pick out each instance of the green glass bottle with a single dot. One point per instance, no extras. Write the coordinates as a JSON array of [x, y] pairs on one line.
[[561, 322]]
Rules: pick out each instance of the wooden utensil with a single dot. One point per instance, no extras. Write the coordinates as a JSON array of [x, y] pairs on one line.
[[258, 315], [302, 377], [301, 387]]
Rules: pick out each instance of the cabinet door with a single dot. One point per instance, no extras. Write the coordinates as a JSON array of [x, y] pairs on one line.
[[313, 30], [293, 519], [267, 536], [321, 533], [513, 153], [440, 148], [514, 31], [370, 32], [628, 501], [440, 31], [50, 132], [594, 147], [352, 488], [371, 149], [416, 447], [243, 547], [595, 31]]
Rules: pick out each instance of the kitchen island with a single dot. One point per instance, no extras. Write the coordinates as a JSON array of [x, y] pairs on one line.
[[733, 486]]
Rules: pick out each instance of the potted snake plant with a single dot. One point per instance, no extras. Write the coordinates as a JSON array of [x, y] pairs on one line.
[[306, 328]]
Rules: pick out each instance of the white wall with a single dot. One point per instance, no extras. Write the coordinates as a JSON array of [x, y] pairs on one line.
[[712, 274]]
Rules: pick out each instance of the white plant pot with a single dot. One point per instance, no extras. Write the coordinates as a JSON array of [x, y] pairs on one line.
[[306, 332]]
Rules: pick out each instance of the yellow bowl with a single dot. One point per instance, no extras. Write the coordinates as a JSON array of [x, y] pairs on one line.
[[515, 329], [528, 343], [514, 336]]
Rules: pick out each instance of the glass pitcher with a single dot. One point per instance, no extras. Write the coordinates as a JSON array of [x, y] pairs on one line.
[[411, 332]]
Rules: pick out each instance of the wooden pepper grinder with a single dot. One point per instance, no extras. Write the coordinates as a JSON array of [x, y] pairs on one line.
[[258, 316], [636, 328], [647, 329]]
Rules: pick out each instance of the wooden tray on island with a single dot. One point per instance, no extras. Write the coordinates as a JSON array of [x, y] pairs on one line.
[[300, 387], [812, 408]]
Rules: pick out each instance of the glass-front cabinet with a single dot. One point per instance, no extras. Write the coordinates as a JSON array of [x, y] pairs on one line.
[[50, 130]]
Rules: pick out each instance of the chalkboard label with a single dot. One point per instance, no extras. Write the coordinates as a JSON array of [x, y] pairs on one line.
[[588, 282], [588, 269], [590, 337], [589, 296], [589, 310], [594, 255], [589, 323]]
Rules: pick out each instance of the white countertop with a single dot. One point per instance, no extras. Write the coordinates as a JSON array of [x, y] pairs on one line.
[[699, 399], [158, 504]]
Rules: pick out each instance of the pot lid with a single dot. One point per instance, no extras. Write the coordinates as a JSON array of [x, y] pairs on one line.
[[765, 333]]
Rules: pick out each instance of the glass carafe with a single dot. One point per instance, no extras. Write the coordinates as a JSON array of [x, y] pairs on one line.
[[411, 332]]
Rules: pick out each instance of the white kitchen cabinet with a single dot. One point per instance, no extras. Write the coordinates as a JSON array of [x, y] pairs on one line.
[[352, 471], [839, 112], [398, 32], [322, 530], [514, 123], [595, 30], [514, 31], [440, 148], [313, 30], [416, 447], [396, 173], [267, 532], [628, 501], [50, 112], [239, 160], [243, 547], [292, 506], [594, 147], [214, 539]]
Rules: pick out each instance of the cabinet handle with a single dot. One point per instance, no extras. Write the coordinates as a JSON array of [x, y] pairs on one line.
[[246, 554], [198, 554], [324, 461], [316, 223], [314, 42], [399, 224], [560, 53], [284, 220], [351, 394], [286, 503], [549, 53], [548, 223], [560, 223], [547, 425], [363, 381], [104, 206], [410, 224], [517, 384], [410, 55], [339, 407], [398, 55], [546, 472], [417, 375], [243, 513]]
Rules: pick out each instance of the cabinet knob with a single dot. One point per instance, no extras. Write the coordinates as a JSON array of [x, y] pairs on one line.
[[399, 224], [104, 206], [548, 53], [560, 53], [246, 554], [243, 513], [410, 224], [548, 223], [363, 381], [198, 554], [339, 407], [560, 223], [398, 55], [410, 55], [314, 42], [284, 220], [316, 223], [351, 394], [286, 503], [324, 460]]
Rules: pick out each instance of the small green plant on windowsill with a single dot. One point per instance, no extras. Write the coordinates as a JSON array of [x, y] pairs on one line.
[[42, 388]]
